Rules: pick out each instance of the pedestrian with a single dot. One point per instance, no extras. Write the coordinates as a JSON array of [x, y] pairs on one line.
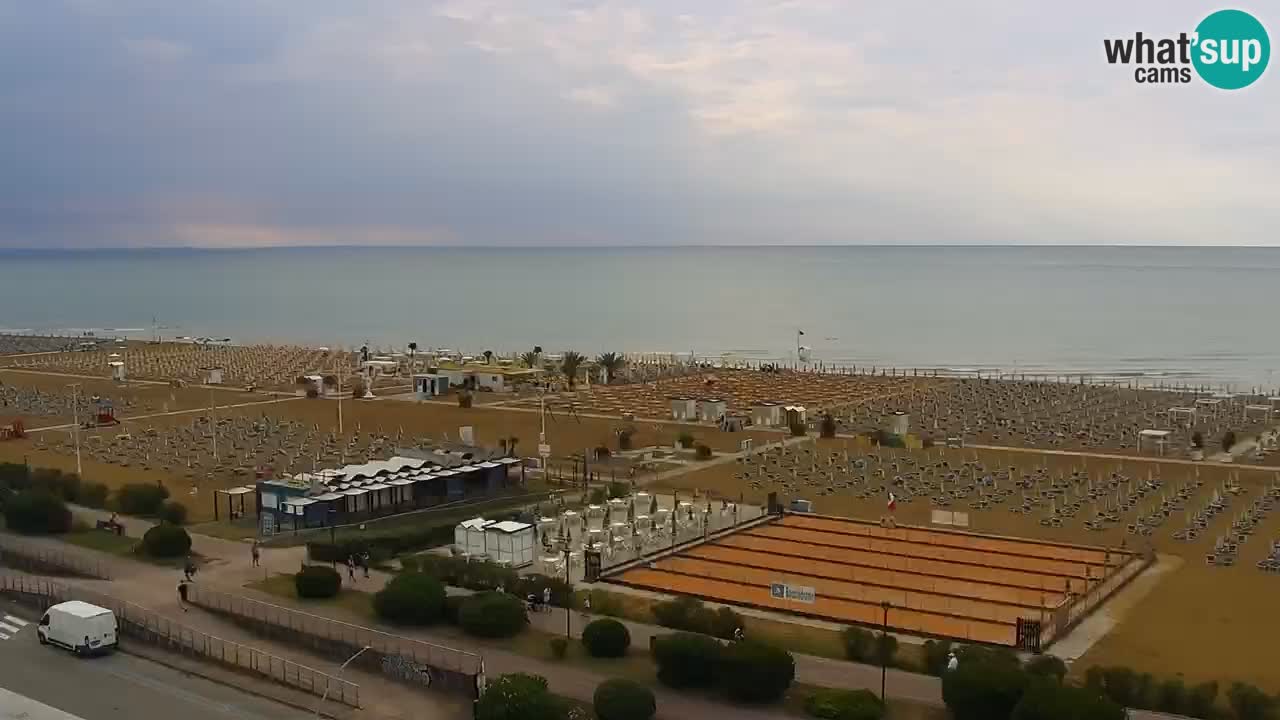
[[586, 606], [351, 568], [188, 569], [952, 662], [182, 594], [364, 563], [256, 551], [738, 635], [546, 596]]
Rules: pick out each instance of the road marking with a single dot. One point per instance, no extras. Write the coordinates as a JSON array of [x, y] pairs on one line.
[[8, 628], [16, 621]]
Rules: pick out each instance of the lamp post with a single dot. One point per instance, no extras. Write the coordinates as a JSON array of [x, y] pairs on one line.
[[884, 635], [568, 606], [342, 668], [75, 419]]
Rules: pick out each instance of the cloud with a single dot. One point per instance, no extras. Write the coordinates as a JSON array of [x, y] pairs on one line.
[[573, 121]]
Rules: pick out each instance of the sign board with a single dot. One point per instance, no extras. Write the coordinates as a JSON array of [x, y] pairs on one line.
[[544, 450], [795, 593], [467, 435]]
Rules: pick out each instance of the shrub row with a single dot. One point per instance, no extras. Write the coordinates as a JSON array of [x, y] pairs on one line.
[[522, 696], [141, 499], [483, 575], [690, 615], [166, 541], [416, 598], [1142, 691], [748, 671], [317, 581], [844, 705], [382, 545]]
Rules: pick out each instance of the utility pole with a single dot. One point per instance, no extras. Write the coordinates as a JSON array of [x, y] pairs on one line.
[[213, 424], [340, 368], [75, 415], [883, 644]]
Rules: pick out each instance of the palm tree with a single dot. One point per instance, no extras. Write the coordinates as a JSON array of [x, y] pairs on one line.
[[612, 362], [569, 365], [530, 359], [488, 357], [413, 353]]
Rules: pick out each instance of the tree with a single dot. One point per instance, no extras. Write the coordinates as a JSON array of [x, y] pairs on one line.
[[488, 357], [1250, 703], [606, 638], [569, 365], [937, 653], [1045, 699], [612, 362], [1047, 666], [1228, 440], [530, 359], [1201, 699], [317, 581], [173, 512], [166, 541], [492, 614], [357, 387], [983, 688], [37, 512], [411, 598], [413, 352], [518, 696], [857, 643], [686, 660], [1197, 440], [623, 700], [756, 673], [828, 428], [141, 498]]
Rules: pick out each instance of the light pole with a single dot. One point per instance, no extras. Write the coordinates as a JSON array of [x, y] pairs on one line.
[[884, 643], [343, 667], [568, 606], [75, 418]]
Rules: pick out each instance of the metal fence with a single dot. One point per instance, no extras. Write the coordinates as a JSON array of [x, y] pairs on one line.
[[138, 623], [414, 662], [26, 555]]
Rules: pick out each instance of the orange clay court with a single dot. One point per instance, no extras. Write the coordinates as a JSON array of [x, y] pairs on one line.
[[942, 583]]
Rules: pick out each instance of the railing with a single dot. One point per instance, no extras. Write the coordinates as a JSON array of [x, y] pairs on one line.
[[25, 555], [435, 665], [138, 623]]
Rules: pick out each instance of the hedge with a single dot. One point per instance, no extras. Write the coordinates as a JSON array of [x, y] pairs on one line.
[[690, 615], [519, 696], [623, 700], [859, 644], [94, 495], [844, 705], [686, 660], [492, 615], [37, 512], [173, 512], [753, 672], [166, 541], [472, 575], [606, 638], [410, 599], [381, 546], [142, 499], [317, 581]]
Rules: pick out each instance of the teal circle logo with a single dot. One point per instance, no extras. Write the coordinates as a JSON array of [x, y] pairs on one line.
[[1231, 49]]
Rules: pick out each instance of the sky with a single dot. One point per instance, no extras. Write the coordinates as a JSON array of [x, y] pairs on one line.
[[238, 123]]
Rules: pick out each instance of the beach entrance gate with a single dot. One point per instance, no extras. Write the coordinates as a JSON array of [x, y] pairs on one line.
[[1028, 635]]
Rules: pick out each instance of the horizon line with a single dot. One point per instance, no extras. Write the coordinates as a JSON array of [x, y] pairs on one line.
[[257, 248]]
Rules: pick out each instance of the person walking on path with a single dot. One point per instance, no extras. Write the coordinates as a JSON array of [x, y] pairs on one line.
[[364, 563], [256, 551], [182, 594], [586, 607], [351, 568], [189, 569]]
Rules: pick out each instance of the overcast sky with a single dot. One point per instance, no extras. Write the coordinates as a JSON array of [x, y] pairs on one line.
[[225, 123]]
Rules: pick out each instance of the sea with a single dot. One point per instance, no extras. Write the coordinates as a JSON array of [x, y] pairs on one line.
[[1200, 316]]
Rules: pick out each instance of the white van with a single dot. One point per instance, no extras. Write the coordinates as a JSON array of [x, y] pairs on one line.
[[80, 627]]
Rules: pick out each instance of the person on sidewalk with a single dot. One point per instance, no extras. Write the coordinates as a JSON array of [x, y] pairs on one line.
[[586, 607], [364, 563], [182, 594], [188, 569], [546, 596], [351, 568], [256, 551], [952, 662]]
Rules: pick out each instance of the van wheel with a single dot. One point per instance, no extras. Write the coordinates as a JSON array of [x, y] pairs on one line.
[[42, 640]]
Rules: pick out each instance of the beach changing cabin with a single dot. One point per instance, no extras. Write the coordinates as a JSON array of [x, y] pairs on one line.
[[213, 376], [796, 415], [684, 409], [509, 543], [469, 537], [712, 409], [117, 370], [429, 385], [899, 423], [766, 414]]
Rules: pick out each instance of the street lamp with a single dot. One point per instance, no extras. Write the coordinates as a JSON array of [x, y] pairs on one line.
[[568, 606], [884, 641], [341, 668], [75, 415]]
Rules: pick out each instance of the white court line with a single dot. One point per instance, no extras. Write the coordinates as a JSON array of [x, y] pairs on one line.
[[16, 621], [8, 628]]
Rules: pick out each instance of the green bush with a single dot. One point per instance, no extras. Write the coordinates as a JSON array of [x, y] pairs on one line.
[[452, 604], [598, 496], [492, 615], [756, 673], [519, 696], [410, 599], [859, 644], [1047, 666], [619, 490], [1171, 697], [382, 545], [844, 705], [1228, 440], [685, 439], [798, 429], [37, 512], [686, 660], [410, 563], [173, 512], [58, 483], [317, 581], [702, 452], [936, 656], [983, 687], [1201, 699], [1046, 699], [623, 700], [142, 499], [606, 638], [689, 614], [559, 647], [886, 649], [94, 495], [624, 439], [166, 541]]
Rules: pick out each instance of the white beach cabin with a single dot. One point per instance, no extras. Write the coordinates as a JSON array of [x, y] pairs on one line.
[[899, 423], [117, 370], [766, 414], [712, 409], [429, 385], [510, 543], [685, 409], [469, 536], [212, 376], [1159, 437]]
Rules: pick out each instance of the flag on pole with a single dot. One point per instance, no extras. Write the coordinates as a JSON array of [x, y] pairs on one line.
[[893, 502]]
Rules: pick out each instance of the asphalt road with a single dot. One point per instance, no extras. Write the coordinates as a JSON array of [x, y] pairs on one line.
[[112, 687]]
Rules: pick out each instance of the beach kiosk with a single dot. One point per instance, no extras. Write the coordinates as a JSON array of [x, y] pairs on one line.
[[509, 543], [470, 537], [1159, 437], [429, 385], [712, 409], [212, 376], [685, 409], [899, 423], [766, 414], [117, 370]]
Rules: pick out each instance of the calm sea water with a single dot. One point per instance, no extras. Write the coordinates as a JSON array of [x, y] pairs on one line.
[[1178, 314]]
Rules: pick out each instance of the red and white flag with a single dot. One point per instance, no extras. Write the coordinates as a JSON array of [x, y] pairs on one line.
[[893, 502]]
